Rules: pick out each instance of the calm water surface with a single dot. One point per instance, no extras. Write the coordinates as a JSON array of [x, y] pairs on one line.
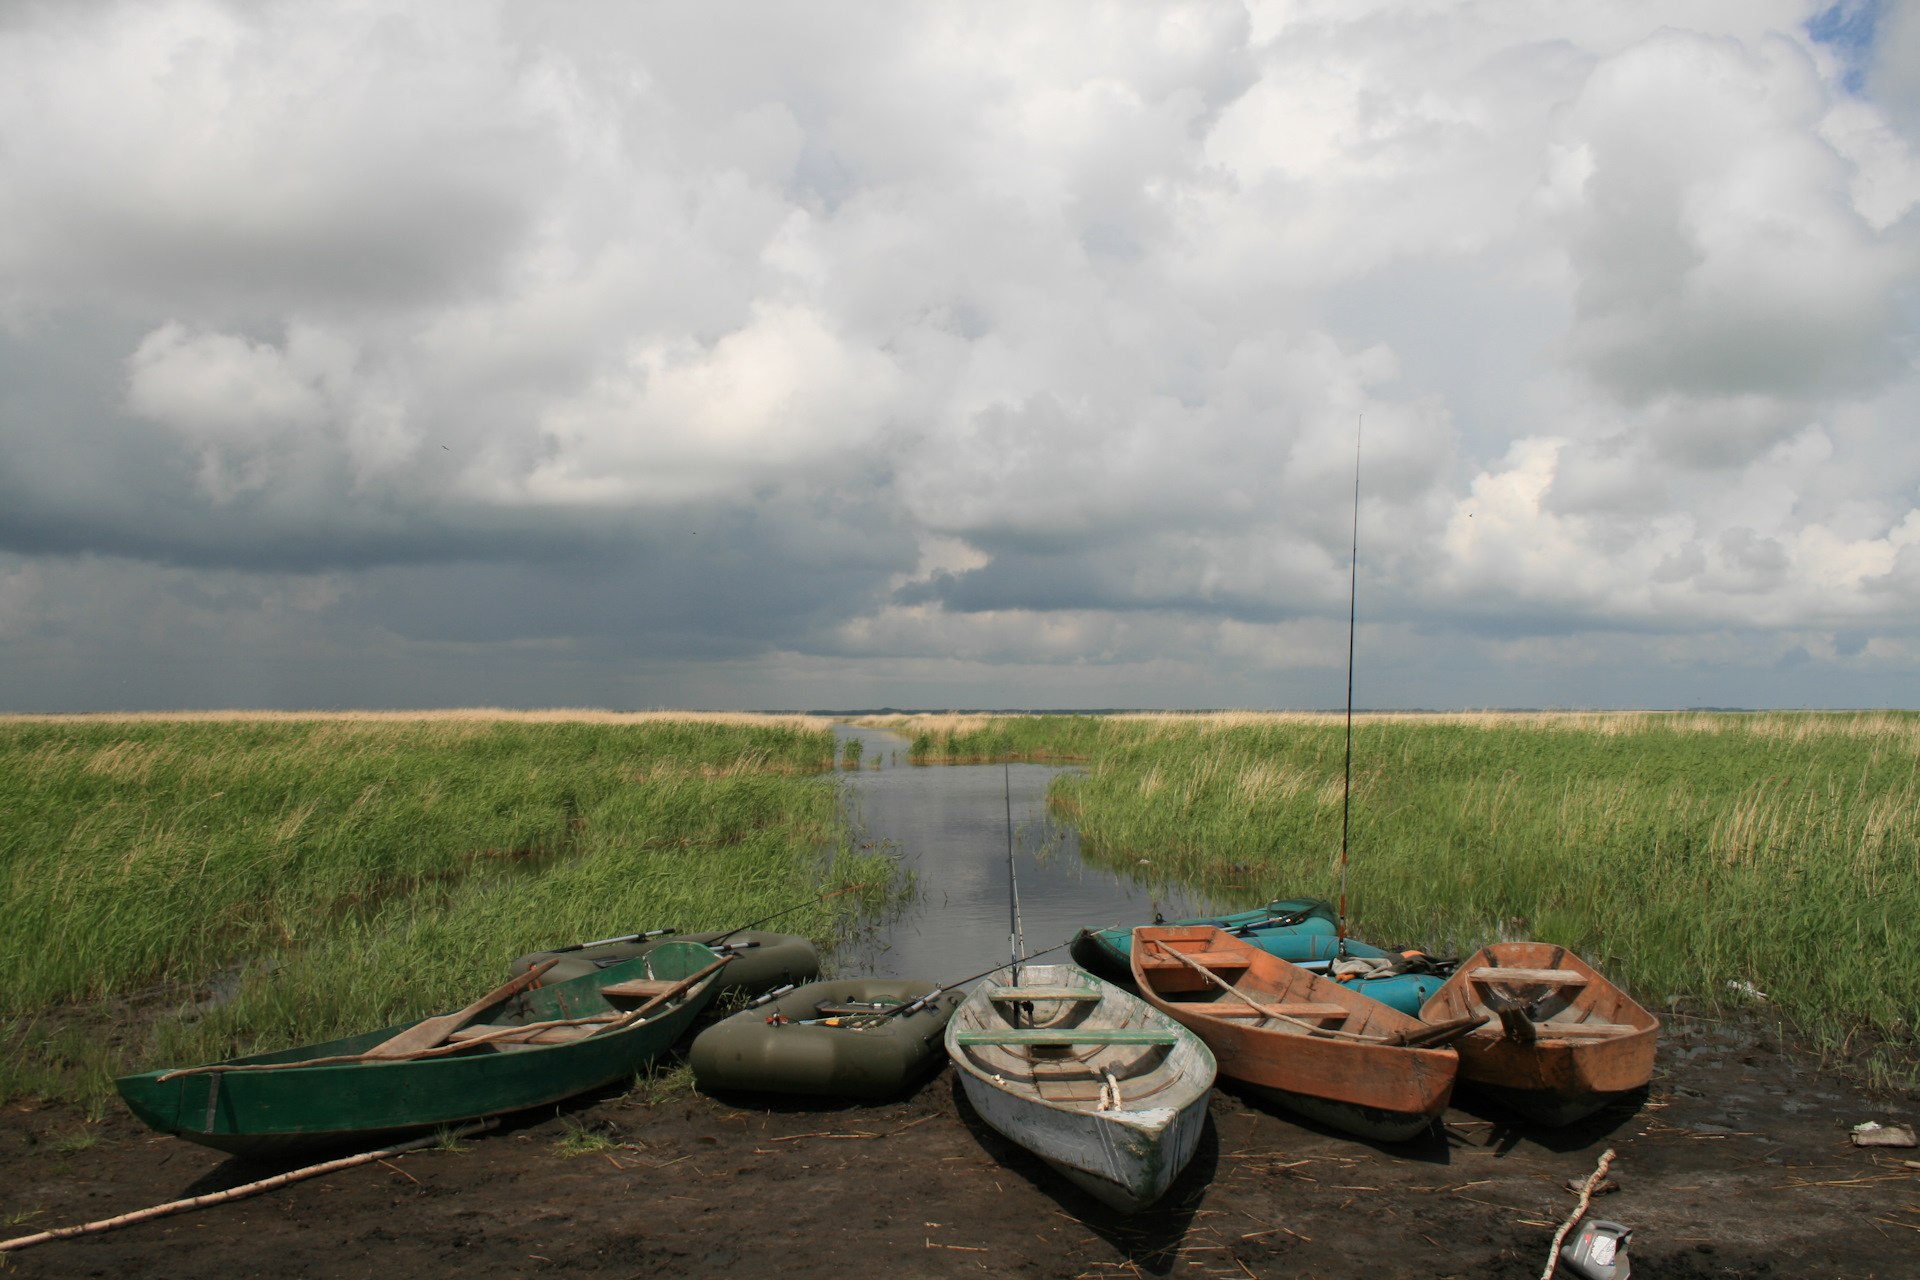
[[948, 825]]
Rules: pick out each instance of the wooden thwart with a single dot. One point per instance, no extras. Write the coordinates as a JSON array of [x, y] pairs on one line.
[[636, 988], [1003, 995], [1529, 977], [1578, 1030], [1068, 1036], [1208, 959]]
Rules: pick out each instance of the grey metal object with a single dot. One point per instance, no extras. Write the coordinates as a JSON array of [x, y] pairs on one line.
[[1598, 1251]]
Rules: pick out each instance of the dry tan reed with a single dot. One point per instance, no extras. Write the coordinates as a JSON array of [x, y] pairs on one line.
[[483, 715]]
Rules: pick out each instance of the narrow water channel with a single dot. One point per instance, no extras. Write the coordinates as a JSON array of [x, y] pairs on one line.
[[947, 824]]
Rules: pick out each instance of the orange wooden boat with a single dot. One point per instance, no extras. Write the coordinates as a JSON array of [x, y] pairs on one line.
[[1560, 1041], [1305, 1041]]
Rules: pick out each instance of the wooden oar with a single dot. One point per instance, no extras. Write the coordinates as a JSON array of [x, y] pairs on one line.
[[1267, 1011], [428, 1032], [1439, 1035]]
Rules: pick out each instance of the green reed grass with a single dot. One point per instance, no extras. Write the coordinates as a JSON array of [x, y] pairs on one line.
[[969, 739], [1680, 852], [338, 877]]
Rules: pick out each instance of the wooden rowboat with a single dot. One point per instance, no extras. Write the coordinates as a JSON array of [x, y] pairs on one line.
[[1303, 930], [845, 1038], [1307, 1043], [515, 1048], [1560, 1041], [1293, 928], [1109, 1092]]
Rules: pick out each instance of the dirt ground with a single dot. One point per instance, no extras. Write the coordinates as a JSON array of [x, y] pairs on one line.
[[1737, 1163]]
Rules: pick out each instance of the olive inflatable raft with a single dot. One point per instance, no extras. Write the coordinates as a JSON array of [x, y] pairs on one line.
[[868, 1039]]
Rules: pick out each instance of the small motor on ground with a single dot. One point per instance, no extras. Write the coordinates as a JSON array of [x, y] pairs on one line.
[[1598, 1251]]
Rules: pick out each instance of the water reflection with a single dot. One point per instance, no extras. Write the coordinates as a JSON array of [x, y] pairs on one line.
[[947, 824]]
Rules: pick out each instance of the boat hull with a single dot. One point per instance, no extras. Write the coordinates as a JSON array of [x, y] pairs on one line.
[[1563, 1074], [264, 1113], [1387, 1092], [750, 1052], [1048, 1098]]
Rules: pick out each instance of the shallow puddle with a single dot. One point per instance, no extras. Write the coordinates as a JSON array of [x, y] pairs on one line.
[[947, 825]]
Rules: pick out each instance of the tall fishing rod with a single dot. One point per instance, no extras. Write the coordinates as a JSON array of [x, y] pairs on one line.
[[1017, 935], [825, 897], [921, 1002], [651, 934], [1353, 597]]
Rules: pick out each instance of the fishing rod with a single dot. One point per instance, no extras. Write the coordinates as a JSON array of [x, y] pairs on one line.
[[1353, 597], [787, 912], [921, 1002], [1016, 938], [650, 934]]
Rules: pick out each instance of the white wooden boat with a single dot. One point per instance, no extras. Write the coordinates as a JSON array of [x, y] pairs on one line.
[[1105, 1088]]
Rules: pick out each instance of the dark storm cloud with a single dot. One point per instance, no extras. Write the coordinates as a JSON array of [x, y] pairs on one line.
[[603, 351]]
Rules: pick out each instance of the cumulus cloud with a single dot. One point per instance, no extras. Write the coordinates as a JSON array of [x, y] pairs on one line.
[[1716, 247], [753, 352]]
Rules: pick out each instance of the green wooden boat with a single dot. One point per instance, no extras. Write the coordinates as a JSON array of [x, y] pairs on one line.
[[761, 960], [499, 1061], [829, 1040]]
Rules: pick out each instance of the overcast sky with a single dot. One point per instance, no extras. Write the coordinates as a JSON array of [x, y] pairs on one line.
[[822, 355]]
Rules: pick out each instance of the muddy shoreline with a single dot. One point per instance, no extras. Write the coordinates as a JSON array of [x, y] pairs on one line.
[[1737, 1162]]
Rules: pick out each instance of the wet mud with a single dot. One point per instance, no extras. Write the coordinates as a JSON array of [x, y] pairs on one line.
[[1737, 1162]]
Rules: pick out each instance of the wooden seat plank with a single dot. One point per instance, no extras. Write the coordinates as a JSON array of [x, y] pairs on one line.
[[1211, 959], [1529, 977], [1581, 1030], [1007, 994], [637, 989], [1067, 1036]]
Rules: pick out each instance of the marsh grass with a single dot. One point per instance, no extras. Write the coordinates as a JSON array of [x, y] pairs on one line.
[[663, 1082], [580, 1139], [1681, 852], [972, 739], [182, 891], [85, 1138]]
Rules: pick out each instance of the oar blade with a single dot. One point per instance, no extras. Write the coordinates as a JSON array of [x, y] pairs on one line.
[[429, 1032]]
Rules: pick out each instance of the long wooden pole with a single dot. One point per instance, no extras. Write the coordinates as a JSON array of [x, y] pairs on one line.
[[1579, 1212], [234, 1193]]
